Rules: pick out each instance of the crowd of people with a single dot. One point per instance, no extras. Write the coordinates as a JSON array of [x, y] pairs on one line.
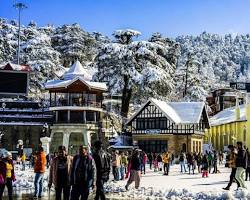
[[73, 177]]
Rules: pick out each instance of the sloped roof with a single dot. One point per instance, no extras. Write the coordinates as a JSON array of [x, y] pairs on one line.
[[15, 67], [77, 70], [227, 116], [178, 112], [65, 83]]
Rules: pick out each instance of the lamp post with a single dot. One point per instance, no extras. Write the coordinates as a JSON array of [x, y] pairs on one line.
[[20, 6]]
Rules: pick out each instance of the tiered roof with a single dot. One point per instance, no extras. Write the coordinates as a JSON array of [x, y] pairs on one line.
[[76, 73]]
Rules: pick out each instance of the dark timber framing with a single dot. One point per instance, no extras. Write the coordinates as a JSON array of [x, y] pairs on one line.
[[151, 119]]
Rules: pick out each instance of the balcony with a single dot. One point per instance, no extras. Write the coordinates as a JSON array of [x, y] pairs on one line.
[[63, 103], [75, 100]]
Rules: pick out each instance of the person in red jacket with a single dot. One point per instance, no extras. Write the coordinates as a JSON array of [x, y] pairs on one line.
[[39, 169], [7, 175]]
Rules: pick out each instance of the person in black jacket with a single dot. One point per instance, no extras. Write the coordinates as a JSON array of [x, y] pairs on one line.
[[248, 166], [83, 174], [102, 160], [215, 162], [241, 164], [135, 170], [150, 159]]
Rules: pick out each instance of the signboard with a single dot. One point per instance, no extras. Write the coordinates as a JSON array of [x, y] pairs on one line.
[[153, 131], [240, 86], [13, 82]]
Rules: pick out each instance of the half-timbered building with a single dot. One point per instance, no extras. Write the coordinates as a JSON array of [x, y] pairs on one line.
[[175, 126]]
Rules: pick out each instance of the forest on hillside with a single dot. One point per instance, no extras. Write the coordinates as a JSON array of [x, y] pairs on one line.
[[182, 68]]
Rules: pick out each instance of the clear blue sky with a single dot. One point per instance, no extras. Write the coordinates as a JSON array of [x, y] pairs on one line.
[[170, 17]]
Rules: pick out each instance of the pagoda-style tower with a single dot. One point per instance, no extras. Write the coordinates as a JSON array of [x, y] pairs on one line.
[[77, 106]]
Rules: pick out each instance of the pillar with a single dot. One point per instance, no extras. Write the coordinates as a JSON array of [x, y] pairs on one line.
[[68, 116], [45, 144], [84, 117], [66, 136]]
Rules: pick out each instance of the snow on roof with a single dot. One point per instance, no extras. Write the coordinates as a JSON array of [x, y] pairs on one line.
[[77, 70], [15, 67], [178, 112], [167, 110], [65, 83], [189, 112], [227, 116]]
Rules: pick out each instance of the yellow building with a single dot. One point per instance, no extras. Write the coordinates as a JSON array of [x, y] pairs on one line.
[[229, 126]]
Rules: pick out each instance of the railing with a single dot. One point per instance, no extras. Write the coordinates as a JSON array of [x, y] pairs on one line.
[[64, 102]]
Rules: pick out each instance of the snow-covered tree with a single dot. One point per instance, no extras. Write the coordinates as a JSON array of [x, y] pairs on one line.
[[8, 40], [37, 52], [73, 43], [135, 68]]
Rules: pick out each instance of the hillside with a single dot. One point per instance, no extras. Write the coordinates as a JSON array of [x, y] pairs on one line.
[[192, 65]]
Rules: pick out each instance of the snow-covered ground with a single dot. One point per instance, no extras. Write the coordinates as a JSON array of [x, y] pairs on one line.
[[180, 186], [154, 185]]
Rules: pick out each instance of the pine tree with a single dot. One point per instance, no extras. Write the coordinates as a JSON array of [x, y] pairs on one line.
[[135, 67], [73, 43], [37, 52]]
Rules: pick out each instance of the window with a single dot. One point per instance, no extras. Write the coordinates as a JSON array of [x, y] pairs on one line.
[[154, 146], [90, 116], [62, 116], [76, 117]]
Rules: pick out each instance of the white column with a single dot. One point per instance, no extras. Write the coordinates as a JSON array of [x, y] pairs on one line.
[[84, 116], [87, 138], [68, 116], [66, 136], [45, 144], [56, 116], [94, 116]]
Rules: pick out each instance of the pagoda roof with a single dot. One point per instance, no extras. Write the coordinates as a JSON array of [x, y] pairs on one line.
[[77, 70], [65, 83]]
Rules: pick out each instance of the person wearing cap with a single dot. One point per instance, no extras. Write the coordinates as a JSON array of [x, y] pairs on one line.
[[83, 174], [59, 175], [7, 175], [39, 169]]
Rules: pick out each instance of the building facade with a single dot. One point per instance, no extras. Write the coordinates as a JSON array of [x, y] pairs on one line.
[[77, 106], [21, 118], [175, 126], [229, 126], [224, 98]]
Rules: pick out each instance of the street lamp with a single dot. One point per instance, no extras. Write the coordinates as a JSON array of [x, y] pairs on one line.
[[19, 6]]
